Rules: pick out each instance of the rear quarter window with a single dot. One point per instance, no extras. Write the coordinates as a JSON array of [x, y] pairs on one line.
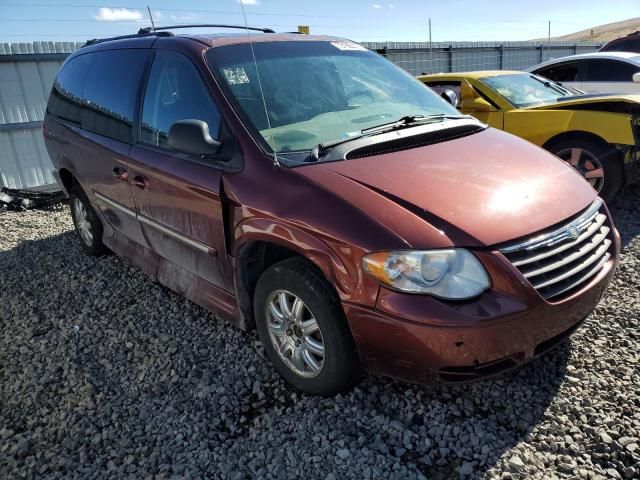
[[66, 100]]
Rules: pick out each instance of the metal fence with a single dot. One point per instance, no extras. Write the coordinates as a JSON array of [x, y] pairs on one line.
[[423, 57], [27, 71]]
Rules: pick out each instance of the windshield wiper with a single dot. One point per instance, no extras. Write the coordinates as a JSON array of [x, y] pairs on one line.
[[411, 120], [552, 85], [404, 122]]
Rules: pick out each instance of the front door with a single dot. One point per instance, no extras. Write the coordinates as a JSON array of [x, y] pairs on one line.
[[177, 199]]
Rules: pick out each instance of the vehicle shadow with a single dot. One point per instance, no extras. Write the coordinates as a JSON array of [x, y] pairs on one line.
[[467, 428]]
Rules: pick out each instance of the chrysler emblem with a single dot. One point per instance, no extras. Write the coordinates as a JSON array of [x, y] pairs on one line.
[[572, 232]]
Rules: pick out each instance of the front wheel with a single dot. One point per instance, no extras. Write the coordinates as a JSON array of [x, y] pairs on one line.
[[597, 162], [303, 329]]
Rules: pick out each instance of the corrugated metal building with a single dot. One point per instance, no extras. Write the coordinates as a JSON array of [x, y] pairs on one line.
[[27, 72]]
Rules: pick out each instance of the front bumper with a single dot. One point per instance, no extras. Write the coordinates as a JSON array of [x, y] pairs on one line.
[[419, 339]]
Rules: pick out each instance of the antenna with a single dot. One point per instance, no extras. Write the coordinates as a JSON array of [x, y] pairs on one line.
[[153, 25], [264, 102]]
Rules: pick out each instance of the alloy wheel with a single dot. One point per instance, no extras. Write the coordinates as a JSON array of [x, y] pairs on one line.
[[82, 222], [295, 333], [586, 163]]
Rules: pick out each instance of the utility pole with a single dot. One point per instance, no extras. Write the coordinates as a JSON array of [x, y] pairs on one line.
[[549, 41], [430, 46]]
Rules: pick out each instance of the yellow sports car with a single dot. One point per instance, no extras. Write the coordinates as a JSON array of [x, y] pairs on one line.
[[599, 135]]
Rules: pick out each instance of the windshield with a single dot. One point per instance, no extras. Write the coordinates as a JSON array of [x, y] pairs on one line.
[[318, 91], [523, 90]]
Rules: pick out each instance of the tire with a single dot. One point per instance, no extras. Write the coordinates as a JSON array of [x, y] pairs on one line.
[[338, 369], [588, 156], [87, 223]]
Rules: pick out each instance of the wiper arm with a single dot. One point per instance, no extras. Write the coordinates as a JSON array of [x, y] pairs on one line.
[[552, 85], [411, 120], [318, 150], [404, 122]]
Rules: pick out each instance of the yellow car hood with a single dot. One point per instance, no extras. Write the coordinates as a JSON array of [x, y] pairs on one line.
[[604, 103]]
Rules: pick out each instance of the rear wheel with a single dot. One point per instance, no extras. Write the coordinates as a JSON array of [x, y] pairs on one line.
[[597, 162], [303, 329], [87, 223]]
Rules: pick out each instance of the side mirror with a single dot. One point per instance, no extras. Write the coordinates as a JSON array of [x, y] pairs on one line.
[[636, 77], [471, 101], [192, 136], [451, 97], [477, 104]]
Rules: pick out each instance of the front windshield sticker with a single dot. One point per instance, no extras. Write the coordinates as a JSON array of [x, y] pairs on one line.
[[236, 75], [344, 45]]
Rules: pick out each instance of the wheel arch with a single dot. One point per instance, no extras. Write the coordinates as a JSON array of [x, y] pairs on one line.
[[575, 135], [255, 253], [68, 179]]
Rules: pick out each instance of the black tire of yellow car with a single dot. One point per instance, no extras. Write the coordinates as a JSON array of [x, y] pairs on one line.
[[608, 156]]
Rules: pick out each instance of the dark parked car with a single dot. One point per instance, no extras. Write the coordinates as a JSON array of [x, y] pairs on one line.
[[309, 187], [629, 43]]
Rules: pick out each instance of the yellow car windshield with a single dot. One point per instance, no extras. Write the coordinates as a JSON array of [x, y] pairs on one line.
[[526, 89]]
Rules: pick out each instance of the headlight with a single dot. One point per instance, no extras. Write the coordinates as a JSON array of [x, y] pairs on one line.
[[454, 274]]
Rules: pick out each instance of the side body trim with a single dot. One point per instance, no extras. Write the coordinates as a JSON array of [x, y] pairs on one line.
[[153, 224]]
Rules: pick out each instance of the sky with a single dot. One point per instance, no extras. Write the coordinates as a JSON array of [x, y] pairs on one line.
[[360, 20]]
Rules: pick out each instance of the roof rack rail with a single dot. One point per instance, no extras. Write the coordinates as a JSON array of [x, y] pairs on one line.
[[147, 30], [123, 37]]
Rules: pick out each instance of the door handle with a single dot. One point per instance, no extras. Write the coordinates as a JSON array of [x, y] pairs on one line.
[[140, 182], [120, 173]]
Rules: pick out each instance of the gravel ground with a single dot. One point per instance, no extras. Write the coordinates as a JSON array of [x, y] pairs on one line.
[[106, 374]]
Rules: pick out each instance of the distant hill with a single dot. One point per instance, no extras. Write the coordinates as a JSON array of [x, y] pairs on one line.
[[602, 33]]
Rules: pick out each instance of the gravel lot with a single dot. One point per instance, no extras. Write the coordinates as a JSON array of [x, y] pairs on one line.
[[106, 374]]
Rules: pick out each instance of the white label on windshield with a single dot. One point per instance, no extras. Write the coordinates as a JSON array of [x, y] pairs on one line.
[[344, 45]]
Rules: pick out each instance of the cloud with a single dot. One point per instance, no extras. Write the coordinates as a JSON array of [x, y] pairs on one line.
[[106, 14], [391, 5], [184, 17], [249, 2], [375, 5]]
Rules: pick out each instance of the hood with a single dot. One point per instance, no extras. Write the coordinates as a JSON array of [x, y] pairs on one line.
[[602, 102], [480, 190]]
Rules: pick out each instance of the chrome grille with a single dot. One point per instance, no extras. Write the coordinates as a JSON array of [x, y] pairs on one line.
[[559, 261]]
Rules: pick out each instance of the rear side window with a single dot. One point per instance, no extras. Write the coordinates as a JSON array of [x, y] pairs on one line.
[[561, 72], [66, 101], [110, 92], [609, 71], [175, 91]]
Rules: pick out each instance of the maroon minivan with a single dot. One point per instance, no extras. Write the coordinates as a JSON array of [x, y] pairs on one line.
[[310, 188]]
